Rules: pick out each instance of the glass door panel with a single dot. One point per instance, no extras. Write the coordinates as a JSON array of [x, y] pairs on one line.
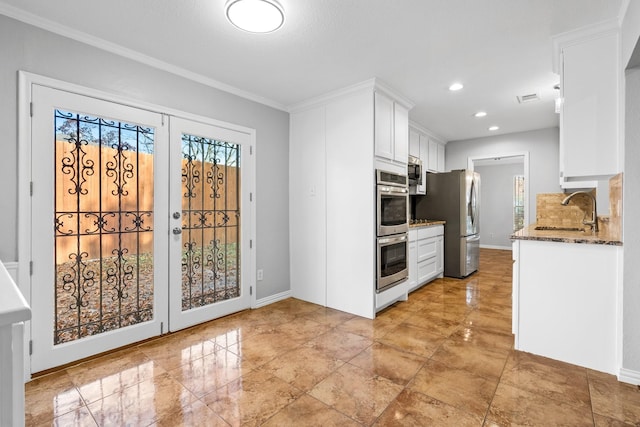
[[209, 222], [97, 276]]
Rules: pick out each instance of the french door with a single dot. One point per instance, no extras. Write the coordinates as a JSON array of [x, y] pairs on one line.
[[140, 224], [208, 225]]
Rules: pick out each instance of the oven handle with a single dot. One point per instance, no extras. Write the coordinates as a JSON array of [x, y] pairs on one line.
[[385, 241], [383, 189]]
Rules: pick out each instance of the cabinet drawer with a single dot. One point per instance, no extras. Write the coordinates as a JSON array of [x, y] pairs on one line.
[[427, 270], [432, 231], [427, 248]]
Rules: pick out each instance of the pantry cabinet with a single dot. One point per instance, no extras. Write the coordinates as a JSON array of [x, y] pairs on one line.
[[334, 150], [590, 109]]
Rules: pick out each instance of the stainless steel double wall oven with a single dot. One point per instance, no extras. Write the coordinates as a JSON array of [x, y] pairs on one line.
[[392, 222]]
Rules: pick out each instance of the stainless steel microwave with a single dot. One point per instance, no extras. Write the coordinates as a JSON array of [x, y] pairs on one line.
[[414, 171]]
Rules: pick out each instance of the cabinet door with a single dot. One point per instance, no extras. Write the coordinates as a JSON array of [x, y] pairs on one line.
[[433, 156], [401, 133], [426, 270], [413, 264], [589, 118], [441, 158], [414, 143], [384, 126], [427, 248], [440, 254]]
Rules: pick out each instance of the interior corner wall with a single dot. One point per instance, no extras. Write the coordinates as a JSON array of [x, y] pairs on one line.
[[542, 145], [25, 47], [630, 34], [631, 234]]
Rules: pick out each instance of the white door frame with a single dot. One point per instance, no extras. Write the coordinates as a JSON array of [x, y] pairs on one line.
[[527, 183], [25, 82]]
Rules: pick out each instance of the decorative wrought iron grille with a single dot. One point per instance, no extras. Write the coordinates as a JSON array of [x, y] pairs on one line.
[[210, 221], [103, 225]]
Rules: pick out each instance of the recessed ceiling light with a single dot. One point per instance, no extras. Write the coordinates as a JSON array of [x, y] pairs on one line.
[[456, 86], [480, 114], [492, 128], [255, 16]]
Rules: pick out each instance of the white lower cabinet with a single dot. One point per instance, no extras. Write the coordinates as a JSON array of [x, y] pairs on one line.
[[565, 302], [426, 255], [413, 259]]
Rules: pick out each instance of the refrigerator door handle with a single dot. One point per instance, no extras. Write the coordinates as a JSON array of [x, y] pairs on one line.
[[472, 204]]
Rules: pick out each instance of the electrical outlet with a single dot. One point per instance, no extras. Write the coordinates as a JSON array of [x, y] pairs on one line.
[[259, 274]]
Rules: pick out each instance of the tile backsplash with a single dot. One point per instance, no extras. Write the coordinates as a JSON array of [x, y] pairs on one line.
[[615, 206], [550, 212]]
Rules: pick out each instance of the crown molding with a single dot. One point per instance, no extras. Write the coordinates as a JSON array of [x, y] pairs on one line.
[[427, 132], [580, 35], [65, 31]]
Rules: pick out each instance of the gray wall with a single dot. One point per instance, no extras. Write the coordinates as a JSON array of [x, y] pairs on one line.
[[542, 145], [24, 47], [496, 203]]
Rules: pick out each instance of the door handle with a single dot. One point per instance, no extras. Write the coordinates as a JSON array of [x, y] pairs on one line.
[[177, 230]]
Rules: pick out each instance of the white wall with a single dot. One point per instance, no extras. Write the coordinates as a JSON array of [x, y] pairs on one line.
[[543, 148], [24, 47], [630, 35], [631, 207], [496, 203]]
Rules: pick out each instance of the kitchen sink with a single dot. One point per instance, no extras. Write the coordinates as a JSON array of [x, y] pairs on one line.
[[543, 227]]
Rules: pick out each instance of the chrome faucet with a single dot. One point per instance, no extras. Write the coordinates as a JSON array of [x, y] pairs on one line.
[[594, 214]]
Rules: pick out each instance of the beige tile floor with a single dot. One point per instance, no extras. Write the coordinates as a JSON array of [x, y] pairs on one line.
[[444, 357]]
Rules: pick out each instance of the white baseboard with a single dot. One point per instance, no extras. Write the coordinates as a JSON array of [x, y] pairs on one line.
[[629, 376], [272, 298], [504, 248]]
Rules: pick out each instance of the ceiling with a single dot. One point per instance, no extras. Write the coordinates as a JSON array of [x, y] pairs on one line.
[[498, 49]]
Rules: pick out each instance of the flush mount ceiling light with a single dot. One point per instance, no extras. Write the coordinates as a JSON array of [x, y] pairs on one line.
[[480, 114], [492, 128], [255, 16], [455, 87]]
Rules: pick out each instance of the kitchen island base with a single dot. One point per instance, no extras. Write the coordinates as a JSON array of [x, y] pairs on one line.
[[565, 302]]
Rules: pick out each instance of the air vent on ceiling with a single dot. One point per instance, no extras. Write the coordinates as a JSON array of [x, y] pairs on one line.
[[528, 98]]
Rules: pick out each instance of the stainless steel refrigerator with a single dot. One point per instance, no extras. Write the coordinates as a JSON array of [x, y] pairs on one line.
[[455, 198]]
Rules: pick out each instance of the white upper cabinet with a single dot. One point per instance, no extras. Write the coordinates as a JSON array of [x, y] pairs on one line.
[[391, 134], [441, 167], [414, 143], [436, 156], [433, 156], [384, 135], [588, 64], [429, 149], [401, 133]]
